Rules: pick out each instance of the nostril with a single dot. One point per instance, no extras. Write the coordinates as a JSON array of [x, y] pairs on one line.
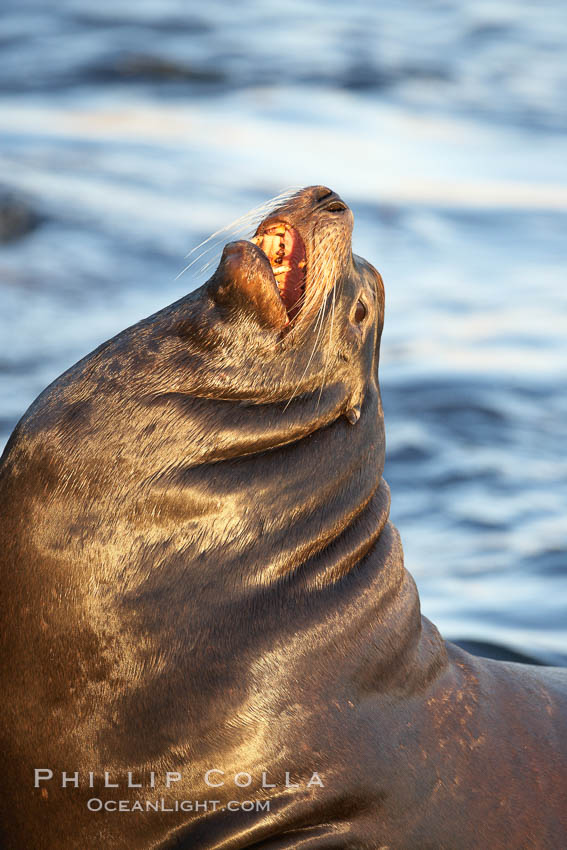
[[322, 192], [336, 206]]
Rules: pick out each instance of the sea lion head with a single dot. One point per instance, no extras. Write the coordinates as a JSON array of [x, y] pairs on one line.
[[296, 298]]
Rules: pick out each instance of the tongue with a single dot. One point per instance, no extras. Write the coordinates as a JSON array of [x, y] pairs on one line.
[[290, 283], [291, 290]]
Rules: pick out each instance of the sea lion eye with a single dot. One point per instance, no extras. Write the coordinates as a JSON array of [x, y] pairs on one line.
[[361, 312]]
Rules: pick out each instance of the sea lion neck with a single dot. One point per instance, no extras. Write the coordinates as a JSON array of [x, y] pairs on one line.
[[295, 536]]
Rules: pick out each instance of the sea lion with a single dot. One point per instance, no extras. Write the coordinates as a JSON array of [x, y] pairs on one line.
[[204, 602]]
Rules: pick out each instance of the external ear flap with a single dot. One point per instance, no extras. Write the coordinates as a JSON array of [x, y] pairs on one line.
[[244, 281]]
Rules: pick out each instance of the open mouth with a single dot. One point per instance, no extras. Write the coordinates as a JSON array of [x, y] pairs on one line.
[[284, 248]]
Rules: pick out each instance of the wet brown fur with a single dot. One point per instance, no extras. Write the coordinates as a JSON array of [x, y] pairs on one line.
[[198, 571]]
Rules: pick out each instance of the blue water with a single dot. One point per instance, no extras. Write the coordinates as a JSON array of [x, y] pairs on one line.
[[133, 130]]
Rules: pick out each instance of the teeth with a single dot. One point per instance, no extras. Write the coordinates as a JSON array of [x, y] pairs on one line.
[[273, 244]]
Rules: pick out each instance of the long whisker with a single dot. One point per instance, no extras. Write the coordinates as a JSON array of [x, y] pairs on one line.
[[240, 225], [328, 349], [320, 316], [284, 195]]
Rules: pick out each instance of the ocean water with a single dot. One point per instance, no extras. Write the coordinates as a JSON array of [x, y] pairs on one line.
[[131, 131]]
